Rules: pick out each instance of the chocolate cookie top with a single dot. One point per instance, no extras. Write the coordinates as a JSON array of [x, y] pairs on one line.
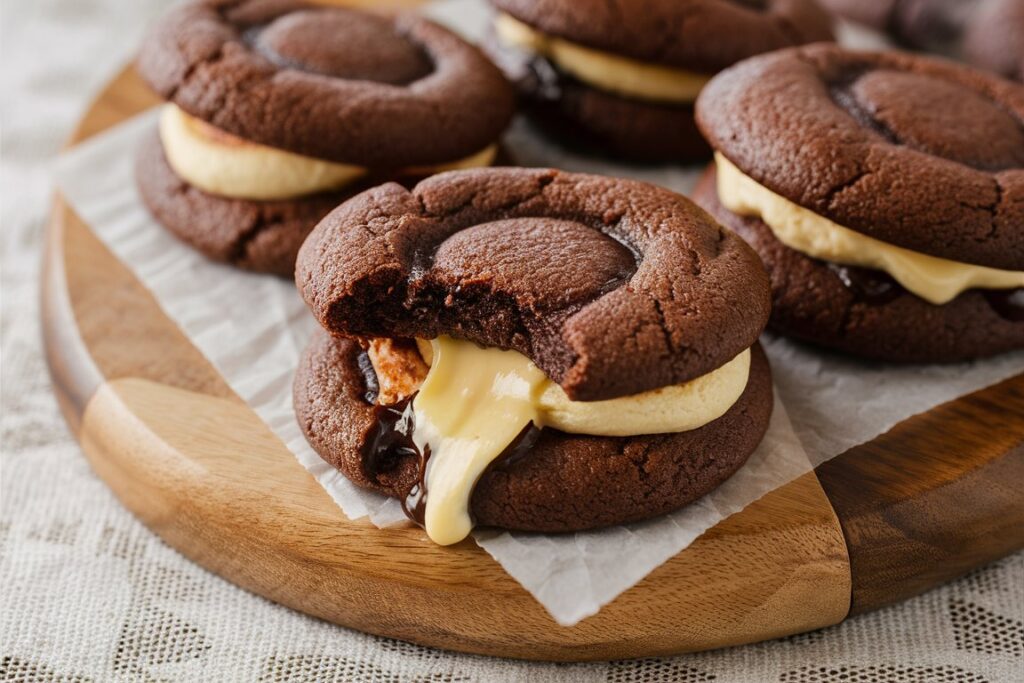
[[328, 82], [700, 35], [917, 152], [612, 287]]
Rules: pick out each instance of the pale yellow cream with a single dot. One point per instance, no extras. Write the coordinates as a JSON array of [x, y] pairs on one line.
[[475, 401], [621, 75], [934, 279], [222, 164]]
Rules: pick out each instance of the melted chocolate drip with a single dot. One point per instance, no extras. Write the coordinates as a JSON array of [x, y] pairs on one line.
[[873, 287], [391, 439], [414, 505], [1009, 303], [517, 450], [391, 442]]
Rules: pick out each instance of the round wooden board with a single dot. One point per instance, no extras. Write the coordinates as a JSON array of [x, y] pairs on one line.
[[189, 458]]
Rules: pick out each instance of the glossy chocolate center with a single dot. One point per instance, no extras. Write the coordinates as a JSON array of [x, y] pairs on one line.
[[390, 443], [343, 44]]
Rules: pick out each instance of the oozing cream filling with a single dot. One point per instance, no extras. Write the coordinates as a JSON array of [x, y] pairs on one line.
[[602, 70], [475, 401], [220, 163], [934, 279]]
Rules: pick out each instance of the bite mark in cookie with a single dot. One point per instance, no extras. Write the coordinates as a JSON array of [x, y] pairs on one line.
[[513, 275]]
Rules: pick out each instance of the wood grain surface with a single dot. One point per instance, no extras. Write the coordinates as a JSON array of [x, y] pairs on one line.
[[938, 495], [191, 460]]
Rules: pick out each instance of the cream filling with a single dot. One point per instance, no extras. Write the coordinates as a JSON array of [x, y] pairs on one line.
[[934, 279], [475, 401], [610, 72], [222, 164]]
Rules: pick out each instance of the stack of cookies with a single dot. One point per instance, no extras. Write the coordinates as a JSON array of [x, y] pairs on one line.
[[279, 110], [885, 194], [621, 78], [532, 349], [545, 351]]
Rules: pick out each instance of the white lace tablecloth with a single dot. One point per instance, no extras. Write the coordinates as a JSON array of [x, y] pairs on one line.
[[88, 594]]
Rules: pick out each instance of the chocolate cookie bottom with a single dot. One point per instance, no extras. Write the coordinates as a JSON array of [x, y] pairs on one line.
[[262, 236], [565, 482], [593, 121], [866, 313]]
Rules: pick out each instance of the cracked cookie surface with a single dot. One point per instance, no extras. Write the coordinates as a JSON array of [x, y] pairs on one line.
[[612, 287], [565, 482], [917, 152], [866, 312], [327, 82]]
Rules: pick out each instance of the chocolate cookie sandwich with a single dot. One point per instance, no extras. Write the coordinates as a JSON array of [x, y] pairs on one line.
[[279, 110], [884, 193], [621, 79], [531, 349]]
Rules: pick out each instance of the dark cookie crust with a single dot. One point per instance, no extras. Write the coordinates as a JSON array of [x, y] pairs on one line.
[[565, 482], [255, 235], [810, 302], [917, 152], [221, 61], [387, 263], [700, 35], [994, 38], [594, 121]]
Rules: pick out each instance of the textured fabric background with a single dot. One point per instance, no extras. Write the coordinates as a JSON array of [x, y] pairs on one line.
[[88, 594]]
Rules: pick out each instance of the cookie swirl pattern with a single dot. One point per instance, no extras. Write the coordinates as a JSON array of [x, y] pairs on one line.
[[869, 141], [611, 287], [374, 92]]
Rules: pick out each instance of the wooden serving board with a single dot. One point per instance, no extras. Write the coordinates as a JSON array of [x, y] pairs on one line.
[[938, 495]]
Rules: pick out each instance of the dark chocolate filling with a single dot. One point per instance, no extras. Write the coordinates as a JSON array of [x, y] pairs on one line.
[[391, 442], [547, 82], [874, 287], [877, 288], [1009, 303]]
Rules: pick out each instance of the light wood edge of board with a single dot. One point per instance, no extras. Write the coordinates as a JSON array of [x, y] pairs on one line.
[[211, 479], [777, 568]]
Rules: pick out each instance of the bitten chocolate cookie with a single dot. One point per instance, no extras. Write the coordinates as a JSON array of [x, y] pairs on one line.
[[586, 349], [885, 194], [276, 106], [622, 80]]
